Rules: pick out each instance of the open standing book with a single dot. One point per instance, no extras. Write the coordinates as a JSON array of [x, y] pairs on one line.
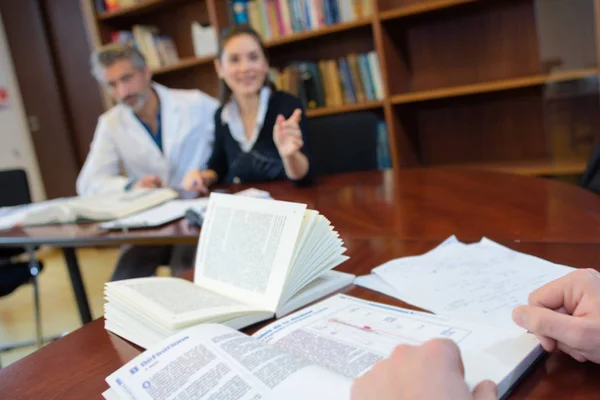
[[312, 354], [256, 259]]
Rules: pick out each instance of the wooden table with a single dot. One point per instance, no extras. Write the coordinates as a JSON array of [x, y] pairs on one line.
[[75, 367], [424, 204]]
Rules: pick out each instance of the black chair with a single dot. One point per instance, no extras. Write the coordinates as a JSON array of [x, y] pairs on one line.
[[591, 176], [343, 143], [13, 274]]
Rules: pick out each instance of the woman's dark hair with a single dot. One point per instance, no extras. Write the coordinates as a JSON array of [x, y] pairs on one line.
[[226, 35]]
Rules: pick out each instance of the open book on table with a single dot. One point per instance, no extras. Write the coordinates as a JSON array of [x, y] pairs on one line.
[[256, 258], [312, 354], [89, 208]]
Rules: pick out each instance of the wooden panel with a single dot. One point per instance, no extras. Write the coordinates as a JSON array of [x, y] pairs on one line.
[[493, 127], [484, 42], [71, 51], [184, 63], [42, 97], [334, 45], [201, 77], [322, 111], [533, 167], [403, 8], [495, 86], [174, 21]]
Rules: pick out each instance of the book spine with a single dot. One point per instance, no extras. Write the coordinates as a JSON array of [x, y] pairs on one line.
[[376, 74], [364, 75], [239, 11], [383, 147], [112, 5], [254, 18], [357, 7], [335, 11], [356, 81], [285, 14], [264, 20], [346, 10], [319, 89], [272, 18], [347, 79], [338, 96], [322, 65], [306, 11], [319, 18], [279, 17]]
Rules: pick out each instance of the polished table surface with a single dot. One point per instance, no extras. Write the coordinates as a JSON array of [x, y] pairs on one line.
[[380, 216], [425, 204], [75, 367]]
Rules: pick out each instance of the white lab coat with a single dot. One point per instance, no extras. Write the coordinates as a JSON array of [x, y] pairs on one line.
[[122, 144]]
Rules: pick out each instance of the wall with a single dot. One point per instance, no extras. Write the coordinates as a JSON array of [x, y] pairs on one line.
[[16, 147]]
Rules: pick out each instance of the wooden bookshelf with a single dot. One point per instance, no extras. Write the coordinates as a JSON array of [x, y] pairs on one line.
[[465, 80], [328, 30], [532, 167], [420, 8], [488, 87], [183, 64], [348, 108]]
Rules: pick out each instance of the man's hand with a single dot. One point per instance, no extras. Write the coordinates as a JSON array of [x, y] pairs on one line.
[[431, 371], [148, 182], [287, 135], [565, 315]]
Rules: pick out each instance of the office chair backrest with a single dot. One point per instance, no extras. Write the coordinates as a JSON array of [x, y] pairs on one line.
[[343, 143], [14, 188]]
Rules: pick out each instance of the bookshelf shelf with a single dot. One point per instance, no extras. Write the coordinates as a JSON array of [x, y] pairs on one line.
[[420, 8], [137, 9], [323, 111], [341, 27], [183, 64], [488, 87], [531, 167]]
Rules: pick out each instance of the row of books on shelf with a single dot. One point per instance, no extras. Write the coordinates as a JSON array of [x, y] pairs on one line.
[[353, 79], [113, 5], [278, 18], [160, 50]]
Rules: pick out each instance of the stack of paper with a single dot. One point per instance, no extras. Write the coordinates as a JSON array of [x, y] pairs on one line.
[[480, 282]]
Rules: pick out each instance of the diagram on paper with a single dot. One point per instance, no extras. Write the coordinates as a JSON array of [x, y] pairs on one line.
[[382, 331]]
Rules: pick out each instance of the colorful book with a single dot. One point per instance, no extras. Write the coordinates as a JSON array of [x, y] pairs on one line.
[[239, 11], [365, 75], [356, 80], [376, 74], [346, 79]]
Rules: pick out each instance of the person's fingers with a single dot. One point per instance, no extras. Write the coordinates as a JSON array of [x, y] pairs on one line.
[[547, 343], [296, 116], [486, 390], [549, 323], [552, 294], [576, 354], [291, 130], [448, 352]]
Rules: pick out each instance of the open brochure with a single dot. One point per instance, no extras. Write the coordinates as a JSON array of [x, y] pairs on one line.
[[85, 209], [256, 258], [314, 353]]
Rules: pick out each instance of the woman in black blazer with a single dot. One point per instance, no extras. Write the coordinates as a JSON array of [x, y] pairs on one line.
[[260, 134]]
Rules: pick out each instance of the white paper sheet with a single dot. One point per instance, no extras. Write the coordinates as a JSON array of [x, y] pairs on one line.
[[481, 282]]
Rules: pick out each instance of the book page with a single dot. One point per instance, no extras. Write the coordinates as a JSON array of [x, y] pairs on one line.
[[215, 362], [246, 246], [172, 302], [481, 282], [348, 335]]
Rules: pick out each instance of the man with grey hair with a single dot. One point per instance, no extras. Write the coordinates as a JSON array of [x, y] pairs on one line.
[[155, 135]]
